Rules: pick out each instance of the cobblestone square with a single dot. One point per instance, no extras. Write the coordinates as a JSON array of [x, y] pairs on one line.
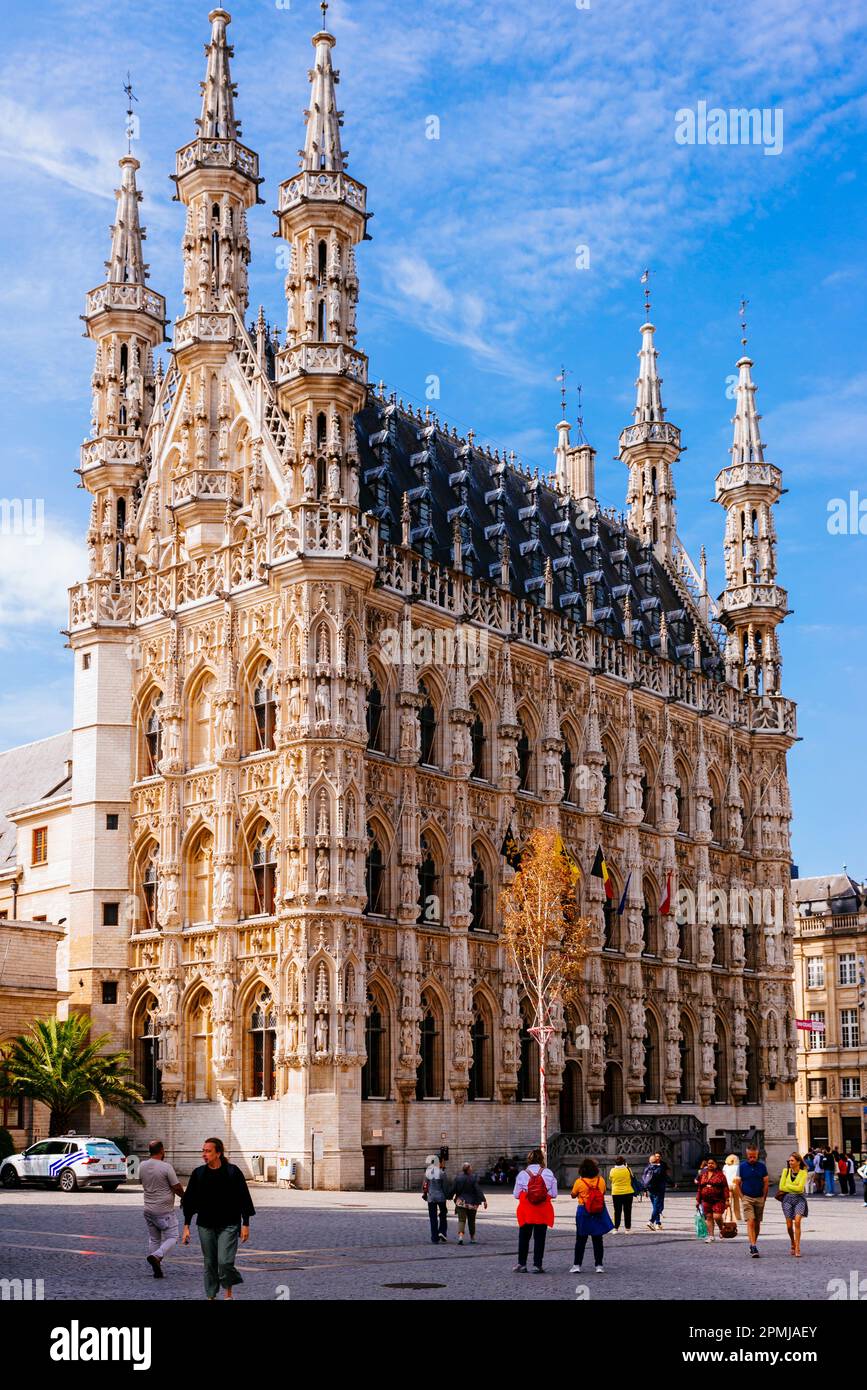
[[360, 1245]]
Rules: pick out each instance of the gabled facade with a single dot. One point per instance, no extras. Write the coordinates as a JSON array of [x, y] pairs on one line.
[[328, 652]]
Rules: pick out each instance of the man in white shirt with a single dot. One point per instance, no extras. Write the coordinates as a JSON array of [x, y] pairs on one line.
[[160, 1187]]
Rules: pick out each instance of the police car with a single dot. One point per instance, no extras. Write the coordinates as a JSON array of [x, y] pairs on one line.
[[69, 1161]]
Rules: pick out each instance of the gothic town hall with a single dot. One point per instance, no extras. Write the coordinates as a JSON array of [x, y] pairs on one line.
[[329, 652]]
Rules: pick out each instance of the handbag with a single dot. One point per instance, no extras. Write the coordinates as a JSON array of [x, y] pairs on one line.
[[729, 1228]]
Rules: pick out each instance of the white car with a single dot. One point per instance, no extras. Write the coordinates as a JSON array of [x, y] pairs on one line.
[[70, 1161]]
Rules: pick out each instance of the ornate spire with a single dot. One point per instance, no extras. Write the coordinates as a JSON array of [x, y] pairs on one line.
[[322, 145], [747, 446], [217, 121], [648, 401], [126, 264], [752, 604], [649, 447]]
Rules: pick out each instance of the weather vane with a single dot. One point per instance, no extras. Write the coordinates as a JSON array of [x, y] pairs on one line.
[[743, 314], [580, 408], [645, 280], [130, 123], [562, 380], [324, 8]]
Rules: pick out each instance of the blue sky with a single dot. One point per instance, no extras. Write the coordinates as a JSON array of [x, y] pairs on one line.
[[556, 128]]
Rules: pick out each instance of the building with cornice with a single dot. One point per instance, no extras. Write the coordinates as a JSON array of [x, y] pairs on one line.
[[328, 652]]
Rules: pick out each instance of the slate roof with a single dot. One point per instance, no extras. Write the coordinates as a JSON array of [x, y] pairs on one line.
[[29, 774], [837, 894], [447, 477]]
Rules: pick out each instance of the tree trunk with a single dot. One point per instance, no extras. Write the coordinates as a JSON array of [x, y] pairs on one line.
[[543, 1102]]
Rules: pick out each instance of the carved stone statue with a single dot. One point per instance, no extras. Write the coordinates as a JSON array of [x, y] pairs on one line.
[[323, 872], [308, 477], [323, 702], [320, 1034]]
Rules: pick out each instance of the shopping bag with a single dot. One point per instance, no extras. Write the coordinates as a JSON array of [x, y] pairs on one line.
[[700, 1226]]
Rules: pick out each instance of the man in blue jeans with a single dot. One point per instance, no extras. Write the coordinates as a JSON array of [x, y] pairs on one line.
[[829, 1163], [752, 1184], [655, 1179]]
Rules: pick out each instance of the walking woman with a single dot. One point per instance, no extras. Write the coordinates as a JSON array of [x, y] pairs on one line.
[[793, 1182], [622, 1193], [468, 1198], [730, 1169], [535, 1186], [591, 1217], [713, 1197], [218, 1196], [436, 1192]]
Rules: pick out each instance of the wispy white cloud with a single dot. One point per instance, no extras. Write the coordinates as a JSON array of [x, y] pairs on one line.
[[38, 562]]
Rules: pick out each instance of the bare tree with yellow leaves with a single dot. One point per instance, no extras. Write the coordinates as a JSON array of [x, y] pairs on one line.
[[547, 937]]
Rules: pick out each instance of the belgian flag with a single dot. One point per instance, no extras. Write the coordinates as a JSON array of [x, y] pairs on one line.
[[600, 870]]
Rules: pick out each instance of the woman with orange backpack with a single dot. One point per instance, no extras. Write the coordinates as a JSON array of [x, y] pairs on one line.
[[591, 1218], [534, 1188]]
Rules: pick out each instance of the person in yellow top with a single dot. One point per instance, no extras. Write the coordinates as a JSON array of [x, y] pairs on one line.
[[622, 1193], [793, 1183]]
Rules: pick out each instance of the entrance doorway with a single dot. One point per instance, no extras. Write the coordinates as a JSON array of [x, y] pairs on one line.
[[612, 1094], [374, 1168], [851, 1127]]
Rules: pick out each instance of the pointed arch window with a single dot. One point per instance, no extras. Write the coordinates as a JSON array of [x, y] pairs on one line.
[[650, 919], [525, 760], [429, 899], [376, 1072], [686, 1048], [200, 1048], [375, 720], [481, 919], [428, 726], [651, 1060], [323, 262], [264, 867], [147, 1049], [429, 1077], [568, 765], [609, 786], [720, 1067], [375, 875], [201, 723], [201, 878], [153, 741], [149, 891], [611, 919], [479, 742], [528, 1067], [264, 709], [262, 1046], [481, 1078], [753, 1095], [646, 797]]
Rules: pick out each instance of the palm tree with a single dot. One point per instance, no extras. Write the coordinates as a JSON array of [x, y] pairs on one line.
[[58, 1064]]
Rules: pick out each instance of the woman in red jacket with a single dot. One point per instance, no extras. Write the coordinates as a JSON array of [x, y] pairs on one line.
[[534, 1188], [713, 1196]]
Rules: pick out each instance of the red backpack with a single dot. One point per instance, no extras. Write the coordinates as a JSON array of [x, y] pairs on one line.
[[537, 1192], [594, 1200]]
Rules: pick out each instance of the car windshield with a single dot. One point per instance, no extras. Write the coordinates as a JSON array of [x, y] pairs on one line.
[[103, 1148]]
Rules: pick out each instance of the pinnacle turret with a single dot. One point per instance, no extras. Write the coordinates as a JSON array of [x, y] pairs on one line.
[[752, 604], [126, 264], [322, 145], [649, 447], [217, 121]]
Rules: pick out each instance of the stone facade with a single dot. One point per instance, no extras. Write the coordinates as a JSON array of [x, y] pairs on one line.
[[830, 953], [28, 991], [328, 653]]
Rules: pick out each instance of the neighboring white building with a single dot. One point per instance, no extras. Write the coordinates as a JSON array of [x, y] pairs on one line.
[[35, 795]]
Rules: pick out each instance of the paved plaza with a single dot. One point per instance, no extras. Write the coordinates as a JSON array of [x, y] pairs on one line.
[[350, 1245]]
